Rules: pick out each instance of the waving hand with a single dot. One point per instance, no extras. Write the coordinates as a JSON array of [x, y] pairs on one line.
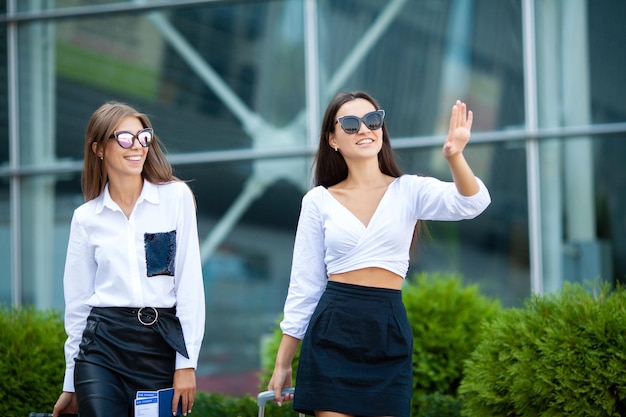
[[460, 127]]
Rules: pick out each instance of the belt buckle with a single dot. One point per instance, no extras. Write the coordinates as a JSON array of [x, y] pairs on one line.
[[156, 316]]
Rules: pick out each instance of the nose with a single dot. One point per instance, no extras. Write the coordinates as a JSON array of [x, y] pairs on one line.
[[136, 143]]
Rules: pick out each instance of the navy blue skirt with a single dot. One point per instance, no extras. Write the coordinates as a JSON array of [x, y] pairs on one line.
[[356, 356]]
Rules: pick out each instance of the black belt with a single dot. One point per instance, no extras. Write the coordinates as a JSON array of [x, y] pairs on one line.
[[163, 320]]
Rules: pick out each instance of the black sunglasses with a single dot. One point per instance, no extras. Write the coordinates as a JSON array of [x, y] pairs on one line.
[[352, 124], [127, 139]]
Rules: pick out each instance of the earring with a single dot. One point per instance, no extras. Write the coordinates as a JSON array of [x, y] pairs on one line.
[[335, 148], [101, 158]]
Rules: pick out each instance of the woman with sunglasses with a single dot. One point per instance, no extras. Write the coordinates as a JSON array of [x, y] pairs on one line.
[[134, 295], [350, 257]]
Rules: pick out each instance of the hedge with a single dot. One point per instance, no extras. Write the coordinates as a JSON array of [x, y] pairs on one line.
[[563, 354], [32, 364]]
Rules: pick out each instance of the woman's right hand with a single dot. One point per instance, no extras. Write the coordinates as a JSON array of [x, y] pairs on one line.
[[281, 378], [66, 404]]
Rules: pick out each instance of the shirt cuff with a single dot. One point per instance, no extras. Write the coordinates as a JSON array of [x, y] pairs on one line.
[[68, 380], [183, 363]]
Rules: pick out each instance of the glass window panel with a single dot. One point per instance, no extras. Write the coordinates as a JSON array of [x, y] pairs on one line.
[[4, 96], [606, 62], [427, 55], [213, 77], [5, 244], [47, 204], [41, 5], [608, 84], [579, 86], [610, 205], [584, 210]]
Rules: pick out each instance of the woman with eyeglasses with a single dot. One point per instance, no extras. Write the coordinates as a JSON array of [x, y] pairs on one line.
[[350, 257], [134, 294]]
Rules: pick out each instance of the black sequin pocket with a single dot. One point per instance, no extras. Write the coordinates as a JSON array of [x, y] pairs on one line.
[[160, 253]]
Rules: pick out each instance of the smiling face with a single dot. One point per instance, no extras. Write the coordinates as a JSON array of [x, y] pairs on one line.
[[365, 143], [120, 162]]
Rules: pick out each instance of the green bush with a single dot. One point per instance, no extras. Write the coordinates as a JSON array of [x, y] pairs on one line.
[[436, 405], [32, 364], [447, 320], [220, 405], [562, 355]]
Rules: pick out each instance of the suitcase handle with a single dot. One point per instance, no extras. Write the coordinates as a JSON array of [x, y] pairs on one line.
[[266, 396]]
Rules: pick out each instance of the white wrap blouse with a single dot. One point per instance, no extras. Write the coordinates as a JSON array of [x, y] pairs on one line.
[[331, 240]]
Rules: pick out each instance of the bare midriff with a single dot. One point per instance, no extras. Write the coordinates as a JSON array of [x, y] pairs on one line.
[[370, 277]]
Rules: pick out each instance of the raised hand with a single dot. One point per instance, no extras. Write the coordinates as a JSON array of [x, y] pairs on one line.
[[460, 128]]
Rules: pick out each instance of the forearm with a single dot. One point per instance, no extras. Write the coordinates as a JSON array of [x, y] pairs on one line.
[[286, 351], [462, 175]]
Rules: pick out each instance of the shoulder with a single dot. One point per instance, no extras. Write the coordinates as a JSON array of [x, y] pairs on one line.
[[175, 192], [88, 208], [415, 180], [315, 194], [410, 181]]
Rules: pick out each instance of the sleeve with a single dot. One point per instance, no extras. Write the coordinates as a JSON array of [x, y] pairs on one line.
[[308, 271], [440, 200], [189, 285], [78, 287]]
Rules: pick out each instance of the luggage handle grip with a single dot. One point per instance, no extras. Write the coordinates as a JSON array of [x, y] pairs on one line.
[[266, 396]]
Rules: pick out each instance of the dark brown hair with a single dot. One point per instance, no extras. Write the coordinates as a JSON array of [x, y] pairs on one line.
[[100, 127]]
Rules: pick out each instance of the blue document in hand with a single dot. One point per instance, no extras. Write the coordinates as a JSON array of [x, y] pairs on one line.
[[156, 403], [165, 403]]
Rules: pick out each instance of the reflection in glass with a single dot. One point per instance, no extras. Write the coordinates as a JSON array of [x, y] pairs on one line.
[[4, 95], [6, 284]]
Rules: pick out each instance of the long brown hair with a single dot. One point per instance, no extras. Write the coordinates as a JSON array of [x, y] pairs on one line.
[[331, 168], [100, 127]]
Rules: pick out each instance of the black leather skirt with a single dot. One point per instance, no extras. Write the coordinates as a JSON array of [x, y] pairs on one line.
[[124, 350]]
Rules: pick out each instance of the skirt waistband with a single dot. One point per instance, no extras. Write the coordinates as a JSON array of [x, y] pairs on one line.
[[147, 316], [163, 320], [334, 287]]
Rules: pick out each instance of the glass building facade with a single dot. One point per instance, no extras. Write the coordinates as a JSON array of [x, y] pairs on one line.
[[235, 90]]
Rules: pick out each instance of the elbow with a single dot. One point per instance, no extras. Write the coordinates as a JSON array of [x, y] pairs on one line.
[[481, 204]]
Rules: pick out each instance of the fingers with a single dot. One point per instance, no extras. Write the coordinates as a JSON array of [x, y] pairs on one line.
[[460, 117], [470, 120], [279, 397], [66, 403], [184, 390], [185, 398]]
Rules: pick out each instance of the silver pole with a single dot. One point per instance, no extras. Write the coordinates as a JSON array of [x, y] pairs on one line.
[[532, 148], [14, 155]]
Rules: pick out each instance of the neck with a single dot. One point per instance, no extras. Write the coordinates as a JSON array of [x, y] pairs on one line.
[[126, 192], [365, 174]]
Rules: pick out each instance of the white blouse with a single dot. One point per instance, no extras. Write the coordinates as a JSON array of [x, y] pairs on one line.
[[331, 240], [110, 263]]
